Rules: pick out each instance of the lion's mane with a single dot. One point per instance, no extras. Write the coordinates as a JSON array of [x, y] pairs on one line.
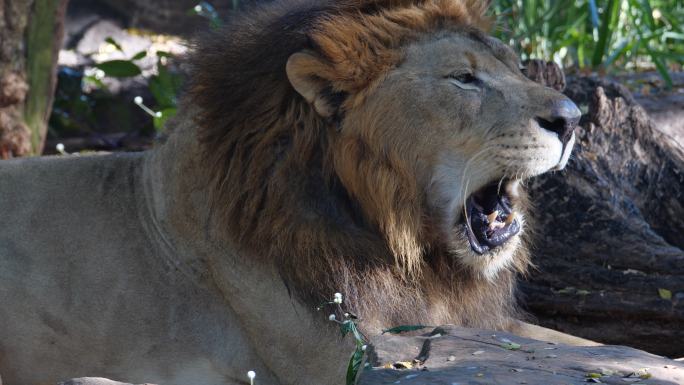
[[275, 187]]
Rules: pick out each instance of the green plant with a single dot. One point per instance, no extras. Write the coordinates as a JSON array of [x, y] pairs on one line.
[[348, 325], [164, 85], [599, 35]]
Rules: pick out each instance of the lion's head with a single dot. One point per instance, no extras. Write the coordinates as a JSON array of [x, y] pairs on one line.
[[377, 146]]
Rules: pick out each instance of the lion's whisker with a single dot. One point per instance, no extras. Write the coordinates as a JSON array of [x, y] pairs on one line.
[[464, 186]]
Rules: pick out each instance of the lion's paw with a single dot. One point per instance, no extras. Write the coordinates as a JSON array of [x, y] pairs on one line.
[[93, 381]]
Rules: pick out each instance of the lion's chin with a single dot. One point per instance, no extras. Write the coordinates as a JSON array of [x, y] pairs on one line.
[[490, 219], [488, 232], [490, 264]]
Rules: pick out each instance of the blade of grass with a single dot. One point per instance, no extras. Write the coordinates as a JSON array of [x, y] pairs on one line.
[[619, 51], [647, 13], [660, 67], [593, 11], [608, 22]]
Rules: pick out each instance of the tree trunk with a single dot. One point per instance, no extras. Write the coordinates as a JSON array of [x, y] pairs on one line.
[[610, 243], [30, 36]]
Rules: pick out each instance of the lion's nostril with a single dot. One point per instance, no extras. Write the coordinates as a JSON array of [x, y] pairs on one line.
[[562, 119], [560, 126]]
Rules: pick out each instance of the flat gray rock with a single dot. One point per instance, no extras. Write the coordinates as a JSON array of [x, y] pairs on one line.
[[458, 356]]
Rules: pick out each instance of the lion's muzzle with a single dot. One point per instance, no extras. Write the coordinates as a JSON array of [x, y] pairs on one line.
[[561, 117]]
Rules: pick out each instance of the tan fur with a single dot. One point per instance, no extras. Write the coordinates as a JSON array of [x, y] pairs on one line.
[[322, 147]]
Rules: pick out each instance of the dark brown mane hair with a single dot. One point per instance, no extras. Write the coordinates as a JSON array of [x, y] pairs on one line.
[[273, 182]]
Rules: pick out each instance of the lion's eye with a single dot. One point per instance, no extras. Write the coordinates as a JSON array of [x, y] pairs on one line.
[[464, 78]]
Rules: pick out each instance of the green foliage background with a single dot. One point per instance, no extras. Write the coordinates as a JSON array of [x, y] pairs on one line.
[[599, 35]]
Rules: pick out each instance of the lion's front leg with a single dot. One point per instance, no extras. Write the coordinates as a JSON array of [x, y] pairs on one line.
[[93, 381], [541, 333]]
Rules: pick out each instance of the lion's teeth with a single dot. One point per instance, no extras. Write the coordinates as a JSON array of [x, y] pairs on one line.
[[513, 189], [492, 217], [511, 218]]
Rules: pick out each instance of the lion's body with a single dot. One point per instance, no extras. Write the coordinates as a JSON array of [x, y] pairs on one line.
[[288, 175], [97, 278]]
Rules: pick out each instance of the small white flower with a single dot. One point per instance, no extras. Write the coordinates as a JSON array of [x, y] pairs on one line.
[[138, 100], [364, 347], [331, 317], [60, 147], [346, 315], [158, 114], [338, 298], [656, 14], [198, 9], [251, 373], [99, 74]]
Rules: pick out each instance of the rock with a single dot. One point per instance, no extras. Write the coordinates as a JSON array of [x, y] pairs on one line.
[[447, 358]]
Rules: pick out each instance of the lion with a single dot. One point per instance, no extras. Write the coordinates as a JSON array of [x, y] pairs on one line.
[[370, 147]]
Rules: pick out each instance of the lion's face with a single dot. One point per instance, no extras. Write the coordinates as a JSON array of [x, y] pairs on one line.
[[434, 150], [459, 116]]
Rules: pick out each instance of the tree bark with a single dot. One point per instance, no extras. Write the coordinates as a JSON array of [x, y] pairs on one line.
[[30, 36], [610, 243]]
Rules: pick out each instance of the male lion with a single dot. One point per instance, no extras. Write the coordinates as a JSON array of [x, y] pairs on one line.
[[370, 147]]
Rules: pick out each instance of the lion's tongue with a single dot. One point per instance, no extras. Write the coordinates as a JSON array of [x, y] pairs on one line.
[[491, 220]]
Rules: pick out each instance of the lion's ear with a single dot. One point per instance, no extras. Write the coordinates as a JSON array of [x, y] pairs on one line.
[[306, 72]]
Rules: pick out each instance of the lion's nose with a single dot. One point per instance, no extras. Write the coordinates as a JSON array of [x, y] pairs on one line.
[[561, 118]]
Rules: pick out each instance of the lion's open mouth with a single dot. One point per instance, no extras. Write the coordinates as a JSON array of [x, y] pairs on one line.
[[491, 220]]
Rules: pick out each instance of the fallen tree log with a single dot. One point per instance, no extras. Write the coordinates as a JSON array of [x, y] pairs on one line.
[[609, 248]]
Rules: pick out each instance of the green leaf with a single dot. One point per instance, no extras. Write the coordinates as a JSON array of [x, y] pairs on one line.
[[672, 35], [403, 328], [165, 54], [166, 114], [511, 346], [346, 327], [164, 87], [662, 70], [665, 294], [593, 375], [97, 82], [567, 290], [608, 24], [139, 55], [119, 68], [647, 13], [113, 42], [354, 366], [593, 11]]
